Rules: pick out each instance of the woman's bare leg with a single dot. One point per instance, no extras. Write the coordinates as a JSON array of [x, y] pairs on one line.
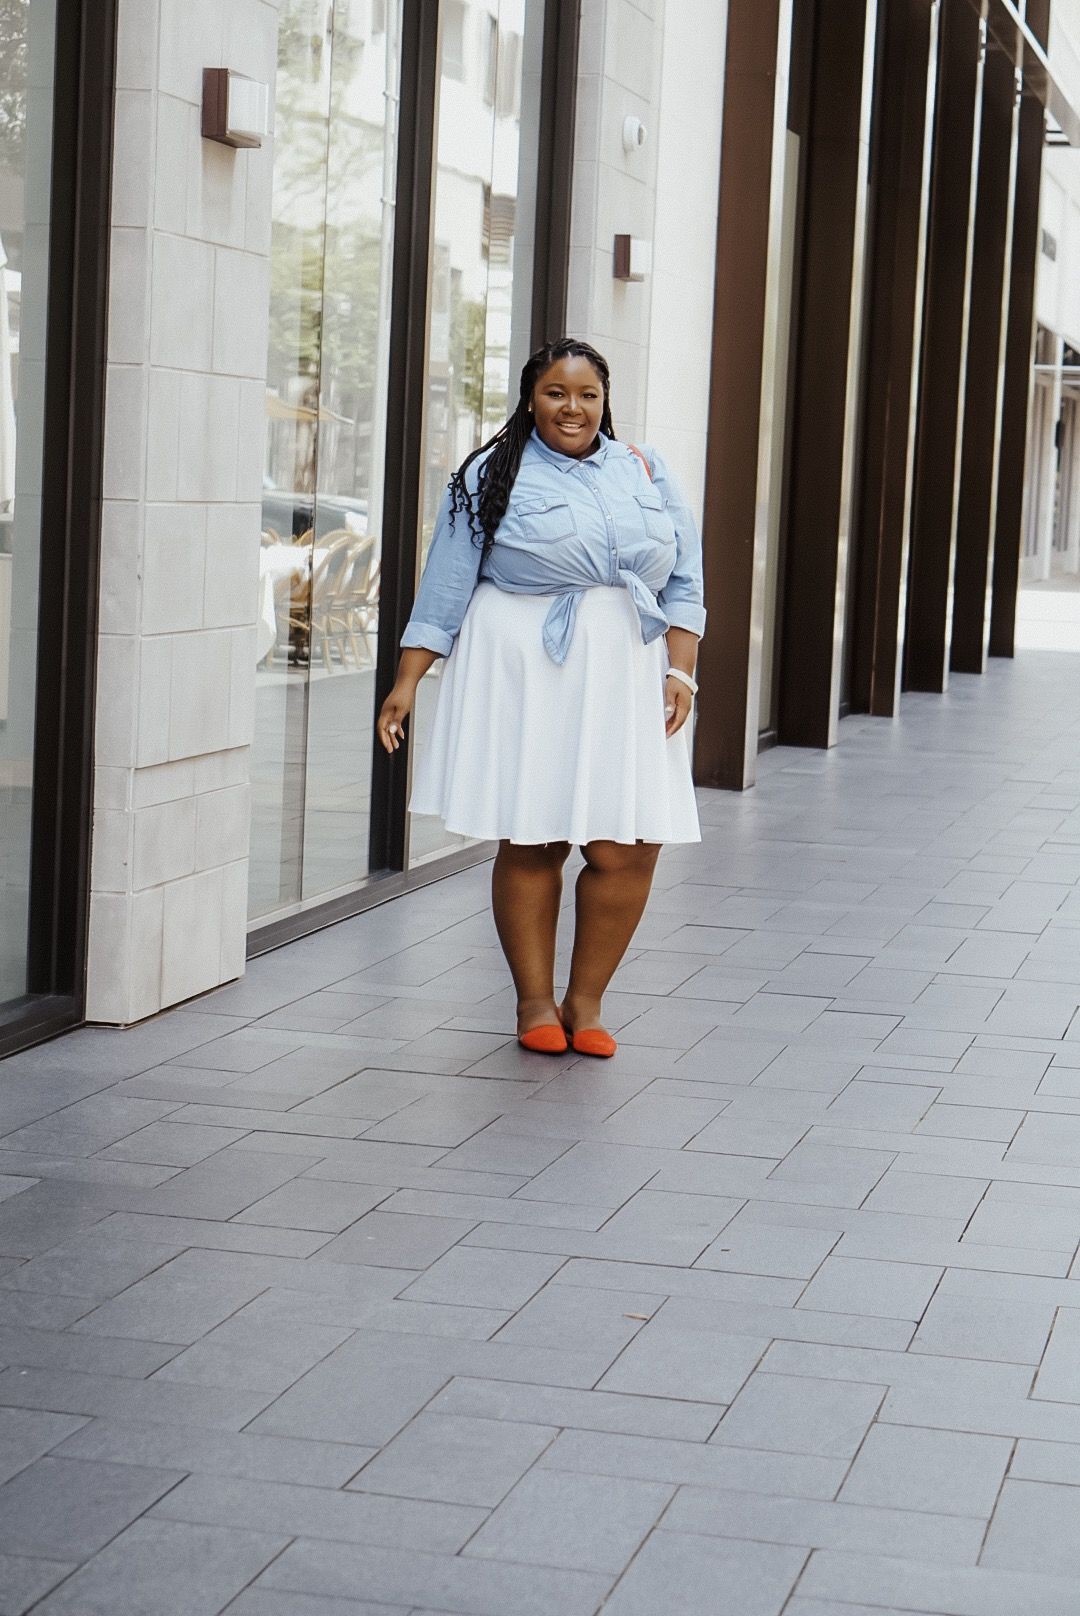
[[526, 890], [610, 897]]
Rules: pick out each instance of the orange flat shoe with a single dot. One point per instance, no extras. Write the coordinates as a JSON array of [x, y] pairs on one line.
[[594, 1041], [544, 1040]]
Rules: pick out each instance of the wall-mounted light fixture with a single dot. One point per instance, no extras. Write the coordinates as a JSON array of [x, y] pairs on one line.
[[235, 109], [633, 258]]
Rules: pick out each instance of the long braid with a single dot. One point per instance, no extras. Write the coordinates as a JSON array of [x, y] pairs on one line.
[[487, 506]]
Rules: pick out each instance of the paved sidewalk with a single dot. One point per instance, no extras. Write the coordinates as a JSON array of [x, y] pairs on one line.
[[319, 1298]]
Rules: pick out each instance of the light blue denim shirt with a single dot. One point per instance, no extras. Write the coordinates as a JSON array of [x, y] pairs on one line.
[[571, 525]]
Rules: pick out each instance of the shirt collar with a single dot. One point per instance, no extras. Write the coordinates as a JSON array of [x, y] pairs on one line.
[[567, 462]]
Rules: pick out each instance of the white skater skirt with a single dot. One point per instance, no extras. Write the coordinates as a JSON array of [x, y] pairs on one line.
[[529, 751]]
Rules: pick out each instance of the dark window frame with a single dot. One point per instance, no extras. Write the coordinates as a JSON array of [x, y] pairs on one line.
[[77, 311]]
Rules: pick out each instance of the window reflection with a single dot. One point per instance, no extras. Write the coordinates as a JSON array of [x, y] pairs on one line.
[[27, 49], [335, 149], [482, 265]]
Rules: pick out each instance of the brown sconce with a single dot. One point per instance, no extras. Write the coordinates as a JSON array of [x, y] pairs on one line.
[[235, 109], [633, 258]]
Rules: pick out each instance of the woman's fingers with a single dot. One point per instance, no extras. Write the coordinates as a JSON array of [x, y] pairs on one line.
[[677, 704], [390, 726]]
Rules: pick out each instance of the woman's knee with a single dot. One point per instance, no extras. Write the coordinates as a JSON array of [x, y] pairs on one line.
[[621, 858]]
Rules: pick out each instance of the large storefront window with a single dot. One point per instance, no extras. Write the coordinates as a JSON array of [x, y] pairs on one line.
[[482, 269], [335, 146], [27, 48]]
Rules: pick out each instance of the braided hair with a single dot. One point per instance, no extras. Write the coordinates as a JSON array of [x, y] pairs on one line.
[[487, 506]]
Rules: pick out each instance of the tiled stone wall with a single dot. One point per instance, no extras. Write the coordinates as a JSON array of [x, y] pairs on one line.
[[182, 484], [663, 64]]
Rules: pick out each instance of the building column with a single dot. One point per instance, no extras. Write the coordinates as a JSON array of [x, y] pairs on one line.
[[826, 373], [944, 350], [185, 424], [985, 372], [745, 388], [1019, 377], [900, 188]]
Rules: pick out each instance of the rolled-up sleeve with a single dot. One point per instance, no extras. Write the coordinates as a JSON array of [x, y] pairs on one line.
[[447, 586], [682, 597]]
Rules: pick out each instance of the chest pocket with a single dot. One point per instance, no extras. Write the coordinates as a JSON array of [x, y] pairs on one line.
[[657, 522], [542, 519]]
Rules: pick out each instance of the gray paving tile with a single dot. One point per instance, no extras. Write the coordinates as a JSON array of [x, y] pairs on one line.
[[265, 1602], [579, 1410], [23, 1581], [225, 1184], [904, 1585], [566, 1316], [586, 1523], [749, 1248], [891, 1290], [321, 1512], [170, 1568], [178, 1302], [395, 1240], [445, 1585], [480, 1278], [183, 1448], [307, 1203], [676, 1571], [456, 1458], [907, 1534], [941, 1471], [665, 1361], [64, 1509], [990, 1327], [28, 1434], [243, 1353], [796, 1414]]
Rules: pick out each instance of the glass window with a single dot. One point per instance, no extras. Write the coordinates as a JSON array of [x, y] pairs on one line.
[[27, 41], [334, 168], [482, 271]]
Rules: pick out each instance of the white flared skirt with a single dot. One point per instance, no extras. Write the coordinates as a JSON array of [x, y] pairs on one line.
[[529, 751]]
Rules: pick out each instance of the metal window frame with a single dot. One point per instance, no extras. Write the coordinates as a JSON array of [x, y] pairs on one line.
[[76, 325], [416, 159]]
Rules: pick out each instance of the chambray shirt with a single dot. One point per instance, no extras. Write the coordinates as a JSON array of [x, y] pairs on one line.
[[571, 525]]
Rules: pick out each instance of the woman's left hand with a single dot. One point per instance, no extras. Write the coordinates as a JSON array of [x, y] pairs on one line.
[[678, 701]]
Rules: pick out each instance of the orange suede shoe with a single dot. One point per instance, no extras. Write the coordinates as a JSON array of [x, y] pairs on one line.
[[548, 1040], [594, 1041]]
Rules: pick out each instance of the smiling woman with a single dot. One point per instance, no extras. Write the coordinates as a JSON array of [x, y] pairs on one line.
[[561, 562]]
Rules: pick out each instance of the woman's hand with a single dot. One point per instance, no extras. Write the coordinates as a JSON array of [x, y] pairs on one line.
[[390, 725], [678, 702]]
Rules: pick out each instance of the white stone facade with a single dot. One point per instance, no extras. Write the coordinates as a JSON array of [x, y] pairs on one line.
[[185, 424], [664, 64]]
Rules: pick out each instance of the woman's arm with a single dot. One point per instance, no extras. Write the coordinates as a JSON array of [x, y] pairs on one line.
[[414, 663], [446, 588], [679, 698]]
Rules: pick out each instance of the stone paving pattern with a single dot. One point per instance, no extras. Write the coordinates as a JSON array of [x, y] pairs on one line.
[[320, 1298]]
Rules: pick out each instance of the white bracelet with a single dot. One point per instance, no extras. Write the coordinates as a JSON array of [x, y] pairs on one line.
[[684, 679]]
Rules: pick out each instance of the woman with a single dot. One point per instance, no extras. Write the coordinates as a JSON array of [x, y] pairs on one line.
[[560, 563]]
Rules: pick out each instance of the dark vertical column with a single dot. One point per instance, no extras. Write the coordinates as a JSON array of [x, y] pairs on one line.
[[944, 349], [743, 389], [985, 376], [900, 191], [1016, 398], [826, 373]]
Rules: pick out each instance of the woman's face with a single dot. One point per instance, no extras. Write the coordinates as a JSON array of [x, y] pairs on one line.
[[567, 404]]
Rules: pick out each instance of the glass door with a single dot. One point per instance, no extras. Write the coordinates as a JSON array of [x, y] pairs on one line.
[[482, 264], [27, 57], [333, 224]]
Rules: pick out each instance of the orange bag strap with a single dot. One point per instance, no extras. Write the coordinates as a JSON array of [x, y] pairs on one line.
[[635, 450]]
